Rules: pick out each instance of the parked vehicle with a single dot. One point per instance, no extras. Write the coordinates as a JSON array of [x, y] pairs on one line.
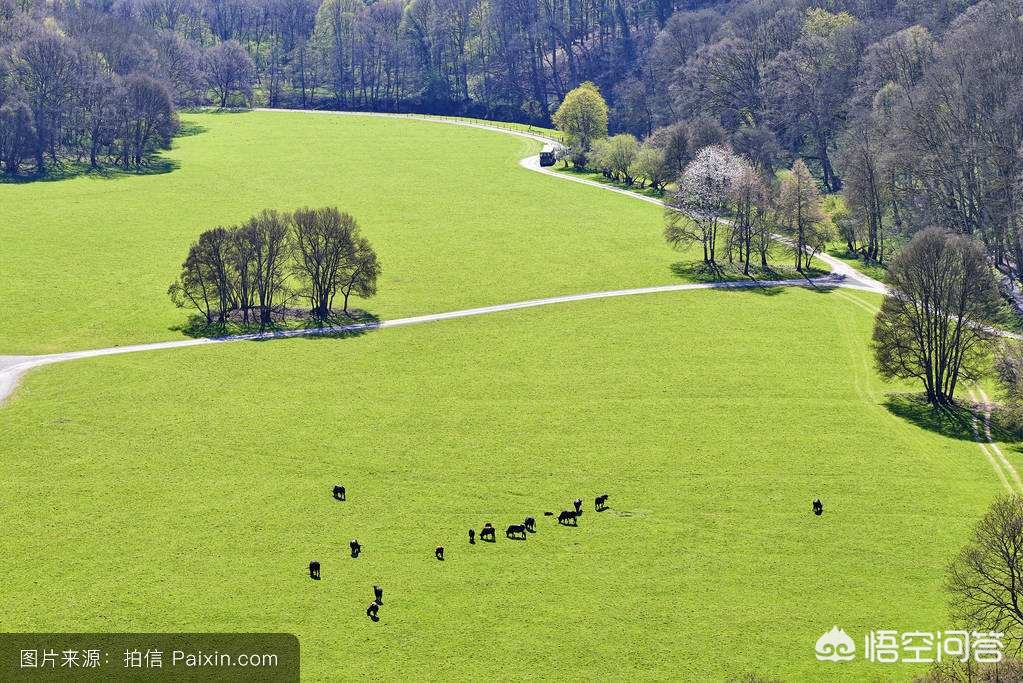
[[547, 155]]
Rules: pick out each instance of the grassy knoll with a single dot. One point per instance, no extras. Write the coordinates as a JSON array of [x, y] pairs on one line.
[[188, 489], [455, 220]]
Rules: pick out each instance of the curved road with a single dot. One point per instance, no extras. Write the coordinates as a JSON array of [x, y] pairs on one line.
[[843, 275]]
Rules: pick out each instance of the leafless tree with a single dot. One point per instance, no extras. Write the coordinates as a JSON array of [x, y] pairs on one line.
[[749, 226], [268, 232], [229, 72], [360, 271], [933, 324], [323, 239], [985, 580]]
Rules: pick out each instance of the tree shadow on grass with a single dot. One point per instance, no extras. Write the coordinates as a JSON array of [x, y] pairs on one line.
[[954, 422], [337, 326], [61, 171], [189, 129], [709, 273], [154, 164]]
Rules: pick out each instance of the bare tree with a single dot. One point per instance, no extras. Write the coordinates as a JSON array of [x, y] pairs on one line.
[[799, 210], [147, 117], [985, 580], [17, 135], [323, 239], [229, 71], [45, 66], [268, 233], [241, 257], [749, 229], [360, 271], [932, 325]]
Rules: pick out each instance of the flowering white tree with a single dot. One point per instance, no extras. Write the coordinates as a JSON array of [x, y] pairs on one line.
[[703, 198]]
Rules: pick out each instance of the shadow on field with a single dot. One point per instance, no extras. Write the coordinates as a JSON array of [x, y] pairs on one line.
[[154, 164], [701, 272], [60, 171], [955, 422], [335, 327], [188, 130]]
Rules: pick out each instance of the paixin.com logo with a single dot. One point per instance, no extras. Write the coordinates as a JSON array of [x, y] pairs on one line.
[[912, 647]]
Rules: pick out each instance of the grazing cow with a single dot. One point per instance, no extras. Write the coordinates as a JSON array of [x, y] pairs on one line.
[[568, 515], [600, 502], [372, 610], [339, 492], [439, 552], [314, 570], [378, 595], [578, 502], [472, 537], [818, 507], [515, 531], [530, 524], [488, 532], [356, 548]]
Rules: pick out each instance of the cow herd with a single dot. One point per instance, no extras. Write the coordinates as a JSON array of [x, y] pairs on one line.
[[487, 534]]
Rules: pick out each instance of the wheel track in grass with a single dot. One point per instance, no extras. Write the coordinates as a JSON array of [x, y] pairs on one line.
[[981, 412]]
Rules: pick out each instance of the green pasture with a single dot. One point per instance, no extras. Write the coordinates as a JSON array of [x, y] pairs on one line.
[[456, 221], [188, 490]]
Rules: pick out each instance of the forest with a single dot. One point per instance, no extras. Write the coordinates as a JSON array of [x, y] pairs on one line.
[[910, 109]]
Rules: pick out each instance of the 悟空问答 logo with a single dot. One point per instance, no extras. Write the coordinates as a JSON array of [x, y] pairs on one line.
[[835, 646]]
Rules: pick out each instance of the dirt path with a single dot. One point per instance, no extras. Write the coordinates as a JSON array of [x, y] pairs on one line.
[[13, 367]]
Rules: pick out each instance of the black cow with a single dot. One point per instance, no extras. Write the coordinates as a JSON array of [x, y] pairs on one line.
[[515, 531], [439, 552], [818, 507], [355, 547], [314, 570], [378, 595], [472, 536], [578, 503], [488, 532], [339, 492], [372, 610], [600, 502], [530, 524], [567, 516]]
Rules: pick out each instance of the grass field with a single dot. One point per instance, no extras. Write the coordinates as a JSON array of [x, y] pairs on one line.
[[189, 489], [87, 261]]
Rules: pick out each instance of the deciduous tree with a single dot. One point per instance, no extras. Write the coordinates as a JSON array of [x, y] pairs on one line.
[[933, 324], [703, 199], [582, 116]]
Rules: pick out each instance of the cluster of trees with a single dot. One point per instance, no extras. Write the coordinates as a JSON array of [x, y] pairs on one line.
[[913, 115], [79, 84], [253, 272], [722, 191]]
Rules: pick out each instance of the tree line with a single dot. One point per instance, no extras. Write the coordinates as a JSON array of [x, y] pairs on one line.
[[784, 78], [84, 86], [909, 110], [254, 273]]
